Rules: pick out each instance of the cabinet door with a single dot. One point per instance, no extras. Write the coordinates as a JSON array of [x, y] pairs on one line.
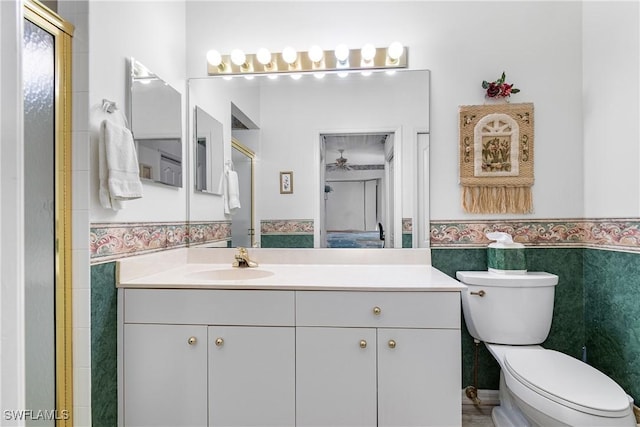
[[335, 377], [165, 381], [419, 377], [251, 376]]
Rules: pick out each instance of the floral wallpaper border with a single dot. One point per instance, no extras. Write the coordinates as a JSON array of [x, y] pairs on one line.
[[110, 241], [286, 226], [617, 234]]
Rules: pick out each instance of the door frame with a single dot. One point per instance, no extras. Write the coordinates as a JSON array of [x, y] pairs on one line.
[[237, 145], [319, 229]]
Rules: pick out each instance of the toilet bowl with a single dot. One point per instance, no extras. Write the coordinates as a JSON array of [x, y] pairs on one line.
[[511, 314], [550, 388]]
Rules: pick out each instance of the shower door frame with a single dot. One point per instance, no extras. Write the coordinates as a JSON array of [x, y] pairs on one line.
[[62, 32]]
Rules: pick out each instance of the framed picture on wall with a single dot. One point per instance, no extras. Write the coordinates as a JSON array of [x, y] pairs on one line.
[[145, 171], [286, 182]]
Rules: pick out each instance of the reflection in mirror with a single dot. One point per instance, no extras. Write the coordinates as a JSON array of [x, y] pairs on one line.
[[356, 190], [155, 115], [242, 230], [293, 122], [209, 153]]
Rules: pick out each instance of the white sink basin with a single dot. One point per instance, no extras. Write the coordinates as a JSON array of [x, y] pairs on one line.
[[230, 274]]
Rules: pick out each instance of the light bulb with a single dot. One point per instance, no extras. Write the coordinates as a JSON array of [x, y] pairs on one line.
[[289, 55], [316, 53], [238, 57], [342, 53], [368, 52], [214, 58], [263, 56], [395, 51]]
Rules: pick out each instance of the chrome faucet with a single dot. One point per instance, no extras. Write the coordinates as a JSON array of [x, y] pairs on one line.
[[243, 260]]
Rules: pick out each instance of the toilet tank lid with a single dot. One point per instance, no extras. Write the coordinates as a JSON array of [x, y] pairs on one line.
[[567, 380], [526, 280]]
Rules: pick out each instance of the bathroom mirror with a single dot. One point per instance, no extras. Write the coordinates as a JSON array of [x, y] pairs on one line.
[[286, 123], [209, 152], [155, 117]]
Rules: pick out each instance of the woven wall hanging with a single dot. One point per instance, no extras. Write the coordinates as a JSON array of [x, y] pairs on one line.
[[496, 158]]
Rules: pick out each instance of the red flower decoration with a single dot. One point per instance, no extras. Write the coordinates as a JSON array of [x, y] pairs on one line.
[[499, 88]]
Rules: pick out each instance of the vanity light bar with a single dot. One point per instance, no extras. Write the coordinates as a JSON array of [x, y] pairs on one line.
[[290, 61]]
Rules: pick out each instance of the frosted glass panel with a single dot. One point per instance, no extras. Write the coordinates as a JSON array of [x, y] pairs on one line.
[[241, 222], [39, 145]]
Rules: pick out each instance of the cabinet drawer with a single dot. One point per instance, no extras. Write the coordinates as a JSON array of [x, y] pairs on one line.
[[378, 309], [209, 307]]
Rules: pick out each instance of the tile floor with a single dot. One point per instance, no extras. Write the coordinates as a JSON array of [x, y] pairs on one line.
[[477, 416]]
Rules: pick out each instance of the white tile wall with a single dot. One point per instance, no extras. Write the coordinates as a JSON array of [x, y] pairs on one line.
[[77, 12]]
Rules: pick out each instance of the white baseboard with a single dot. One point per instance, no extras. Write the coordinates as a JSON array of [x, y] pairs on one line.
[[487, 397]]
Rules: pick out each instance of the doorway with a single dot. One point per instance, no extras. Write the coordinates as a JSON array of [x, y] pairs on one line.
[[357, 202], [46, 76], [242, 228]]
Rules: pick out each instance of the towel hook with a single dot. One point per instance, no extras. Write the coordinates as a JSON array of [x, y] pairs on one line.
[[109, 106]]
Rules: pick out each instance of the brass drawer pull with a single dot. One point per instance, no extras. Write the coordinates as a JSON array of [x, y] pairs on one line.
[[192, 340], [392, 344], [219, 342], [363, 344], [377, 311], [479, 293]]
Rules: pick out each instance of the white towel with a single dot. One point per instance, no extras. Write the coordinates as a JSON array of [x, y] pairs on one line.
[[234, 191], [118, 166], [230, 191]]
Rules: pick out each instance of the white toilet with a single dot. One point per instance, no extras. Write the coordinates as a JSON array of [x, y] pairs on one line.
[[511, 314]]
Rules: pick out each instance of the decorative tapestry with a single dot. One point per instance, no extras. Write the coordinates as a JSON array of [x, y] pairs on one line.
[[496, 158]]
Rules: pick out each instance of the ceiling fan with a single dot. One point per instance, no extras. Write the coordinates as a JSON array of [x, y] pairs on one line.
[[340, 163]]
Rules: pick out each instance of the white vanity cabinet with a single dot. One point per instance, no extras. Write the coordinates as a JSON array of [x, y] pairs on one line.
[[335, 377], [163, 375], [207, 357], [221, 357], [378, 358], [251, 376]]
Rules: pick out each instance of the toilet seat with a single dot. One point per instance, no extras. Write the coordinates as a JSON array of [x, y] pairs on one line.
[[581, 387]]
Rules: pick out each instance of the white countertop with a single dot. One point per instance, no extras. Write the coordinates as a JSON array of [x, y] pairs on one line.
[[191, 272]]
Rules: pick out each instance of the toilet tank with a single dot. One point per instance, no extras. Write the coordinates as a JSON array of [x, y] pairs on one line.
[[512, 309]]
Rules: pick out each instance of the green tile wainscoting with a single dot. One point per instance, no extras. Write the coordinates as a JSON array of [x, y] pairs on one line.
[[104, 345], [286, 241], [612, 316], [407, 240], [595, 304]]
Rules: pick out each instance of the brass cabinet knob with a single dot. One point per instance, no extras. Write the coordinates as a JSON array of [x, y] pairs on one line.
[[392, 344], [377, 310], [219, 342], [192, 340], [480, 293], [363, 344]]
